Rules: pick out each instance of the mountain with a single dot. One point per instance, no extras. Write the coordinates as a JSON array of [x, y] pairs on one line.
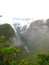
[[36, 36], [6, 34]]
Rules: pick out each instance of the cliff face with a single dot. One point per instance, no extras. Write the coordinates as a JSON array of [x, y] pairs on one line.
[[36, 36]]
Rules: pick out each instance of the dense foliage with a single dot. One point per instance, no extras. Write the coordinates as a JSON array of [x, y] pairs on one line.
[[10, 55], [6, 34]]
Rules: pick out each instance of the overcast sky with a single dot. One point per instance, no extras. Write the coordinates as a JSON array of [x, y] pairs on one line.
[[35, 9]]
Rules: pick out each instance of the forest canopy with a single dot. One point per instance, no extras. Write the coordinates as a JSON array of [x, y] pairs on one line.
[[6, 34]]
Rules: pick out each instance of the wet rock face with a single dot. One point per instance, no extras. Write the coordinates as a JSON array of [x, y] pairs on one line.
[[47, 23], [36, 36]]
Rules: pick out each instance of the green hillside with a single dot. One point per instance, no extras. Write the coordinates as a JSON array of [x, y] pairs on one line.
[[18, 55]]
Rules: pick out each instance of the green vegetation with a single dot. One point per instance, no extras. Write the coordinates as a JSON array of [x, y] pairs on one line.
[[6, 34], [10, 55]]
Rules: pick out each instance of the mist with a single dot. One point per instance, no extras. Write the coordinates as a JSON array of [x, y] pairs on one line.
[[38, 34]]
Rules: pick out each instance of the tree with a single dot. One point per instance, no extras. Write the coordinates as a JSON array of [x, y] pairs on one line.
[[43, 59], [8, 56]]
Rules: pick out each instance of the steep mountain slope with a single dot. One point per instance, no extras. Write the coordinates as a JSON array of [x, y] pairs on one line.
[[6, 34], [36, 36]]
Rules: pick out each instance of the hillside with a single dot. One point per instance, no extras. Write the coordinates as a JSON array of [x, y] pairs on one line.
[[36, 36], [6, 34], [21, 48]]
